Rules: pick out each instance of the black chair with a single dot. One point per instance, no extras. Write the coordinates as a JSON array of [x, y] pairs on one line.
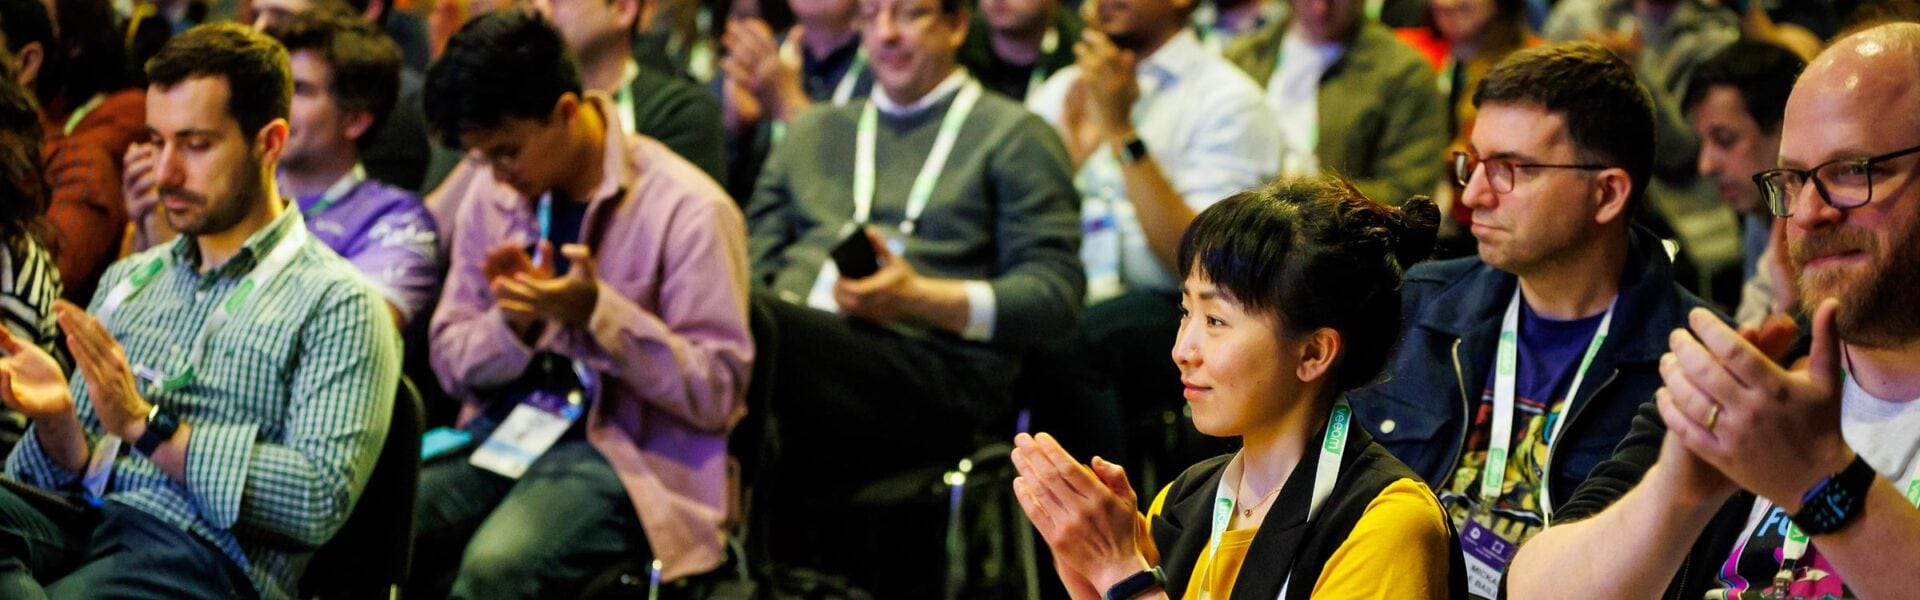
[[371, 555], [752, 445]]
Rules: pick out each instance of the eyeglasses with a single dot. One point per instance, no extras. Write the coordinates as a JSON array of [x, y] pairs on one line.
[[905, 15], [1844, 184], [499, 159], [1500, 171]]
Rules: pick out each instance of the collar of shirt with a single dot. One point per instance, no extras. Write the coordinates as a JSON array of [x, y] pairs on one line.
[[1319, 55], [1181, 54], [186, 252], [947, 87], [837, 60], [1206, 19]]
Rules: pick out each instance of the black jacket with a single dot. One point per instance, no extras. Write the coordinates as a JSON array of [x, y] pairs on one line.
[[1421, 412], [1286, 542]]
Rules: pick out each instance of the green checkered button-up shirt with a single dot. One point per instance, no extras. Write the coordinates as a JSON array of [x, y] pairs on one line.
[[289, 408]]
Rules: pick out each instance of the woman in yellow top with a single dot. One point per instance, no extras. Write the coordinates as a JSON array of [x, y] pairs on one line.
[[1291, 299]]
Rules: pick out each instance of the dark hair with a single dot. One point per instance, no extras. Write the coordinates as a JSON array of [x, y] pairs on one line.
[[364, 61], [505, 64], [23, 187], [1762, 72], [1609, 116], [1316, 253], [259, 78], [24, 22], [96, 60]]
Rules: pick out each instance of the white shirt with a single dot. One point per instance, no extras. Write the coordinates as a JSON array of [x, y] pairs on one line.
[[1203, 123], [1293, 93]]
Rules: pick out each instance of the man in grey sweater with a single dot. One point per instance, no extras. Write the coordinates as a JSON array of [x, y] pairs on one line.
[[968, 202]]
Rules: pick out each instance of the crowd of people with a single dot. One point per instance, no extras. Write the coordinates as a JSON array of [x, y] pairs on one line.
[[1254, 298]]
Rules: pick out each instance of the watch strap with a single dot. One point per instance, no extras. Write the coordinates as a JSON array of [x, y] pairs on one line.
[[1836, 501], [1133, 151], [160, 427], [1136, 584]]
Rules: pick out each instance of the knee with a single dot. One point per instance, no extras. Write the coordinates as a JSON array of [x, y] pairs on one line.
[[494, 570]]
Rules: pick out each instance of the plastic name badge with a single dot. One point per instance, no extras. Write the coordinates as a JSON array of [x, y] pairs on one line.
[[1487, 557], [528, 432]]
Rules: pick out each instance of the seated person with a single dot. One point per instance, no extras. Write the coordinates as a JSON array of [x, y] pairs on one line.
[[1348, 98], [1746, 479], [27, 293], [969, 210], [1734, 104], [249, 369], [598, 288], [1289, 303], [345, 76], [86, 210], [767, 80], [1015, 45]]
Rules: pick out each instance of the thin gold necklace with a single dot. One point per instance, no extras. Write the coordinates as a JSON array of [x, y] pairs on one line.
[[1247, 511]]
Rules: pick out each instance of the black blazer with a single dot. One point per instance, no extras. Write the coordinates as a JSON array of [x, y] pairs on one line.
[[1285, 543]]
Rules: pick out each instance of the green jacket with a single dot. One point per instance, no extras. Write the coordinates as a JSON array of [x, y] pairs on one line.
[[1382, 121]]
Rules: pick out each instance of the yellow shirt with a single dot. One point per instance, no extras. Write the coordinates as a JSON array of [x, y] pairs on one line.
[[1398, 549]]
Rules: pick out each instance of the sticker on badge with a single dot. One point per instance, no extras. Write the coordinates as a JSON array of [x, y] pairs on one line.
[[533, 427], [1487, 557]]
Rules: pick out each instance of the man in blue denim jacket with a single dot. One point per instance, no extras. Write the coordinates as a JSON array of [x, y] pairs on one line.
[[1555, 329]]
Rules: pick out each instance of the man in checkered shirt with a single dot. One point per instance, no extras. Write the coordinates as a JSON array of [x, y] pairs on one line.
[[233, 387]]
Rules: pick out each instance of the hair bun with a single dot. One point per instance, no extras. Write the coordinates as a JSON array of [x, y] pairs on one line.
[[1415, 225]]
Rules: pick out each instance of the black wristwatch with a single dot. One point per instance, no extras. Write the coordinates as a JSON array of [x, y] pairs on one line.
[[1138, 583], [1133, 151], [1836, 501], [160, 427]]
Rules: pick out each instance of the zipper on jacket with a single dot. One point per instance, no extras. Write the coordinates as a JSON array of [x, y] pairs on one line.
[[1466, 410], [1546, 476]]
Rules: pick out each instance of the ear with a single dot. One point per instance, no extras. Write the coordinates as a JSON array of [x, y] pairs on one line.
[[1612, 188], [1318, 353], [30, 57], [374, 9], [270, 141], [963, 18], [359, 124], [566, 107], [632, 15]]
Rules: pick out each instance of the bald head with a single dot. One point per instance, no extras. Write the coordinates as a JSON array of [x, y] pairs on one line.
[[1859, 99]]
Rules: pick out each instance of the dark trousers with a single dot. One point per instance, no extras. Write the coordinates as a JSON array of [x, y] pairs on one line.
[[856, 401], [544, 536], [120, 552]]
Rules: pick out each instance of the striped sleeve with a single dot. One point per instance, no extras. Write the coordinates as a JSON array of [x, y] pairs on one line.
[[302, 490]]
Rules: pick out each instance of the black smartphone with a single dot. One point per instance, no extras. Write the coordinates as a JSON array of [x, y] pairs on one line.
[[854, 255]]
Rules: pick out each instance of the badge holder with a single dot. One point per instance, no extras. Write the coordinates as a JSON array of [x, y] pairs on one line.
[[1487, 553], [537, 421]]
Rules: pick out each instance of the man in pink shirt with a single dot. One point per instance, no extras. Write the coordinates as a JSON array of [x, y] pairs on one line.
[[594, 323]]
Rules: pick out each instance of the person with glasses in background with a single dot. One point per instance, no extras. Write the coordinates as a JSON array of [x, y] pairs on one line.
[[1749, 479], [1522, 367]]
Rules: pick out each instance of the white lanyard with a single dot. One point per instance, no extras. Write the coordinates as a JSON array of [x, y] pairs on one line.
[[1048, 43], [623, 100], [842, 92], [1325, 475], [1506, 367], [262, 276], [345, 185], [80, 114], [922, 192]]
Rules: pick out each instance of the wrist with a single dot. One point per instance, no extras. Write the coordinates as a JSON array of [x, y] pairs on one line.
[[1104, 578], [1119, 135], [1827, 464]]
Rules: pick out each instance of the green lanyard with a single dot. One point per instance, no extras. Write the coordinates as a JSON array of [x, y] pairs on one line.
[[922, 192], [1325, 474], [1506, 367], [263, 274], [81, 113], [1048, 44], [339, 190]]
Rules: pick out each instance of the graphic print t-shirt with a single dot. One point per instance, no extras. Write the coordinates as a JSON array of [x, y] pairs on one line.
[[1549, 352], [1887, 435]]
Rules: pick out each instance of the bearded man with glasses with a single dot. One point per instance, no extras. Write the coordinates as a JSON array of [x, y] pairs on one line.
[[1521, 368]]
